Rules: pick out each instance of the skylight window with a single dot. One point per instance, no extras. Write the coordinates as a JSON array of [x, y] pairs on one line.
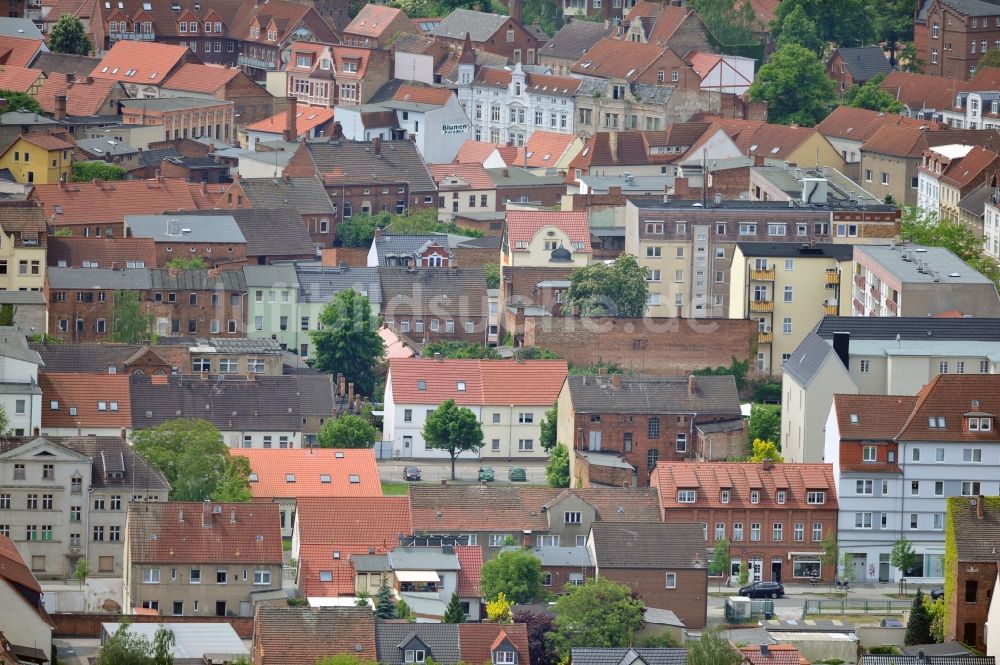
[[854, 418], [148, 6], [461, 386], [105, 68], [289, 477], [324, 478], [326, 576], [775, 149], [253, 478], [153, 75], [354, 478], [339, 455], [421, 384], [115, 70]]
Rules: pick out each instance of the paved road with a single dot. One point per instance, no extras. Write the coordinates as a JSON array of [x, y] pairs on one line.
[[435, 471], [790, 606]]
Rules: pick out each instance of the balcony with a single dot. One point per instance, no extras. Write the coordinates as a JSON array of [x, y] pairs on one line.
[[761, 305], [762, 275], [833, 276], [133, 36], [859, 281], [256, 63], [765, 337], [875, 292], [831, 310], [891, 306]]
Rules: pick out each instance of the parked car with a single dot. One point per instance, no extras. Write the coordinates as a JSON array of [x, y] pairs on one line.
[[517, 474], [486, 473], [937, 593], [891, 623], [411, 473], [763, 590]]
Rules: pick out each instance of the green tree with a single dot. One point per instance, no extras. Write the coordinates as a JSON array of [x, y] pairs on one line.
[[88, 171], [19, 101], [616, 289], [63, 233], [69, 36], [713, 649], [453, 429], [234, 487], [595, 368], [534, 353], [81, 571], [539, 626], [744, 574], [492, 272], [557, 470], [344, 659], [385, 606], [164, 641], [918, 627], [847, 571], [938, 613], [737, 369], [454, 612], [830, 556], [189, 452], [959, 239], [795, 86], [404, 612], [732, 23], [4, 422], [844, 22], [666, 639], [126, 648], [7, 313], [870, 96], [903, 557], [909, 62], [187, 263], [359, 230], [515, 573], [599, 614], [547, 435], [458, 349], [545, 14], [719, 564], [498, 610], [764, 450], [991, 59], [893, 23], [349, 341], [129, 323], [347, 431], [765, 422], [797, 28]]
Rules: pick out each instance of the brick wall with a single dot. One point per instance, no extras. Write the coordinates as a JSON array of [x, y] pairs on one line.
[[354, 257], [689, 601], [89, 625], [588, 475], [213, 253], [661, 346], [967, 614], [475, 257], [560, 576]]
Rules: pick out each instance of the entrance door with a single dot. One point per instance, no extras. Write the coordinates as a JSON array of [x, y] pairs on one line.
[[220, 608], [883, 567], [776, 569], [859, 568], [756, 569]]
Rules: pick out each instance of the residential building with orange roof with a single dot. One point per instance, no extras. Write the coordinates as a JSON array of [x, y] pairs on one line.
[[25, 618], [539, 238], [798, 145], [922, 95], [252, 102], [774, 515], [463, 188], [282, 476], [773, 654], [23, 241], [284, 634], [489, 155], [547, 151], [847, 128], [140, 66], [659, 24], [85, 95], [376, 26], [21, 79], [897, 457], [723, 73], [18, 51], [295, 123], [947, 172], [94, 209], [187, 558], [52, 163], [328, 75], [85, 404], [510, 416]]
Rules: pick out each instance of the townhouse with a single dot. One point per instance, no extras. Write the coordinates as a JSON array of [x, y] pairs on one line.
[[946, 172], [22, 250], [305, 196], [251, 101], [200, 559], [290, 126], [951, 37], [53, 159], [970, 534], [498, 34], [763, 141], [913, 280], [856, 66], [786, 289], [664, 24], [26, 619], [64, 498], [991, 219], [434, 304], [328, 75], [865, 355], [570, 42], [922, 95], [510, 417], [410, 251], [895, 459], [376, 26], [140, 66], [85, 404], [184, 117], [216, 240], [20, 395], [452, 644], [774, 517], [618, 427]]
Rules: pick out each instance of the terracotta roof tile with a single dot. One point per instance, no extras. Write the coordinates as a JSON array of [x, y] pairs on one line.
[[544, 149], [373, 19], [22, 217], [105, 252], [47, 142], [963, 171], [474, 174], [896, 140], [615, 58], [485, 381], [847, 122], [872, 417], [985, 78], [476, 152], [920, 91], [765, 9], [287, 15], [317, 472], [88, 203], [304, 635], [708, 479], [149, 62], [206, 196], [82, 98], [950, 397], [326, 570], [18, 52], [306, 118], [470, 558], [85, 393], [373, 522], [523, 225], [422, 95], [158, 534], [206, 79], [18, 79], [477, 640], [667, 22], [777, 654], [642, 9], [702, 63]]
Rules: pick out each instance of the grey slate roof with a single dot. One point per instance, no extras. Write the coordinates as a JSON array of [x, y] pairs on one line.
[[189, 228], [422, 558], [103, 147], [25, 118], [458, 292], [908, 327], [975, 201], [648, 545], [315, 393], [407, 245], [22, 28], [22, 298], [796, 250], [590, 656], [239, 344], [14, 345], [197, 280], [577, 557], [111, 453], [270, 276], [85, 358], [370, 563], [305, 195], [271, 231], [136, 279], [441, 639], [807, 358], [866, 62], [976, 540], [928, 660], [972, 8], [154, 156], [320, 283], [574, 39], [480, 26], [646, 394], [65, 63], [350, 162]]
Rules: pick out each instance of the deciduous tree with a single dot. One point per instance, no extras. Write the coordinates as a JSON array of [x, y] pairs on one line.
[[69, 36], [557, 470], [88, 171], [903, 557], [187, 263], [547, 435], [347, 431], [125, 648], [454, 429], [616, 289], [918, 627], [515, 573], [870, 96], [765, 422], [713, 649], [795, 86], [349, 341], [797, 28], [129, 323], [189, 452], [539, 627], [719, 564], [458, 349], [234, 486], [844, 22], [498, 610], [600, 613], [764, 450], [19, 101]]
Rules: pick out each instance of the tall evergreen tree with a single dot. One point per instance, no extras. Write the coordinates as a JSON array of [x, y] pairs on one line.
[[454, 613], [918, 628], [385, 606]]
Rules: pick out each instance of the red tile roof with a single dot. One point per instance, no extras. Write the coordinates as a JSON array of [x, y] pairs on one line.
[[985, 78], [615, 58], [85, 393], [421, 95], [544, 149], [474, 174], [306, 119], [372, 20], [777, 654], [16, 572], [896, 140], [317, 472], [667, 22], [920, 91], [372, 522], [206, 79], [524, 225], [305, 635], [476, 152], [709, 478], [477, 640], [150, 63], [552, 85], [18, 52], [961, 172], [702, 63], [952, 397], [642, 9], [847, 122], [18, 79], [47, 142], [485, 381], [106, 252], [88, 203], [872, 417], [82, 97], [765, 10], [470, 558], [315, 559], [174, 532], [206, 196]]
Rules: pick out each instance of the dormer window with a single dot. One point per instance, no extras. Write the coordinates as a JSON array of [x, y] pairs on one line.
[[686, 496], [724, 496], [272, 35], [816, 498], [754, 496], [414, 656], [504, 657], [980, 424], [350, 66], [781, 496]]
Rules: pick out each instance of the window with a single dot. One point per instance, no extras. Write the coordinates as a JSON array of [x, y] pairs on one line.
[[548, 541], [572, 517], [799, 532], [815, 498], [654, 428], [869, 454], [864, 487], [151, 575], [686, 496], [497, 539], [915, 487], [738, 532], [974, 455], [777, 531], [916, 454], [755, 532], [724, 496], [221, 577], [414, 656], [865, 366], [862, 520], [682, 443], [913, 520], [817, 531], [720, 530], [754, 496], [526, 418], [971, 488], [504, 658], [546, 579], [525, 445], [786, 325], [262, 577], [671, 580], [938, 521]]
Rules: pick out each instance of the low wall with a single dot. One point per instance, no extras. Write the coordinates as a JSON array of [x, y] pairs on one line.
[[78, 624], [876, 636]]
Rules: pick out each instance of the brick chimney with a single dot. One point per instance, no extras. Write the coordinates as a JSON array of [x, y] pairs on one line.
[[514, 9], [980, 507], [377, 145], [692, 385], [291, 111], [70, 79], [206, 513], [61, 107], [616, 381]]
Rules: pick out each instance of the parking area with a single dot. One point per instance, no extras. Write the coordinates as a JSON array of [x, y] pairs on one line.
[[434, 471]]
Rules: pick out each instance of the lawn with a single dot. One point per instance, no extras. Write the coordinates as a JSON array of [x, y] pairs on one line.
[[395, 488]]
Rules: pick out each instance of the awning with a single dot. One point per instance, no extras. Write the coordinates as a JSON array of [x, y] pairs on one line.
[[417, 576]]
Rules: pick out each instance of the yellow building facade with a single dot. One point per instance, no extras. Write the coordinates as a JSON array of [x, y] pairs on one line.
[[39, 159]]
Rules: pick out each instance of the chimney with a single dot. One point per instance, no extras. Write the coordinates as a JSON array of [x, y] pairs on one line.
[[232, 516], [980, 507], [842, 347], [514, 9], [767, 464], [377, 145], [122, 434], [341, 385], [763, 649], [61, 107], [612, 144], [616, 381], [291, 111], [180, 516], [692, 385], [350, 392], [206, 513], [204, 188], [378, 234], [437, 357]]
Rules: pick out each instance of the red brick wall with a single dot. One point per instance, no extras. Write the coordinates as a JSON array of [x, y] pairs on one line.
[[212, 253], [354, 257], [547, 195], [662, 346], [954, 57], [89, 625], [560, 576], [971, 615], [588, 476], [689, 601], [475, 257]]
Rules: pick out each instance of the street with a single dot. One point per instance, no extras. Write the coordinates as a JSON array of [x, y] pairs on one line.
[[791, 604], [434, 471]]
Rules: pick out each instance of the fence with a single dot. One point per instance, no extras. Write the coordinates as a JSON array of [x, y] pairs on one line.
[[855, 607], [744, 610]]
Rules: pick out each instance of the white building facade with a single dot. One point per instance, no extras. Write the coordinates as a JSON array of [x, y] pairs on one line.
[[20, 396]]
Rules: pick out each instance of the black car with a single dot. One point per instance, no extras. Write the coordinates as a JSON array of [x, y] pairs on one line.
[[411, 473], [937, 593], [763, 590]]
